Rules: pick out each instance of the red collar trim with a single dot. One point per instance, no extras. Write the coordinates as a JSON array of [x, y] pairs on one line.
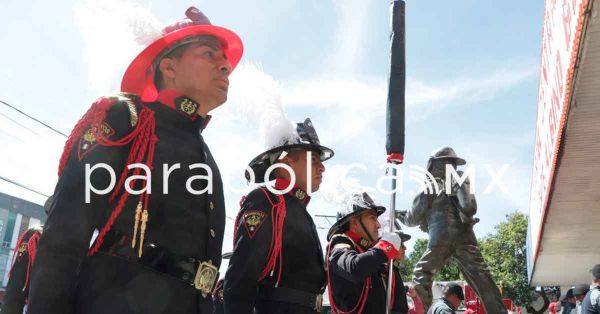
[[184, 105], [359, 239], [298, 193], [354, 236]]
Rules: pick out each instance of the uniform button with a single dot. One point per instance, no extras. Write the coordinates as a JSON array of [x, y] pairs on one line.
[[212, 233], [211, 205]]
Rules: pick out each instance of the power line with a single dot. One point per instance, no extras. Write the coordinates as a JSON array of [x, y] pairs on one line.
[[23, 186], [19, 124], [327, 217], [11, 135], [32, 118]]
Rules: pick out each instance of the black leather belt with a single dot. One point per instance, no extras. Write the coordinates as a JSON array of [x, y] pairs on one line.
[[200, 274], [288, 295]]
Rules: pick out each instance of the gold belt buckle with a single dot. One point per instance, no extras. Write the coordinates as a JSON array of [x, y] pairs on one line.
[[205, 278], [319, 303]]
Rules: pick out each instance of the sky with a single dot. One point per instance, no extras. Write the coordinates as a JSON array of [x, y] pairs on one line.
[[472, 77]]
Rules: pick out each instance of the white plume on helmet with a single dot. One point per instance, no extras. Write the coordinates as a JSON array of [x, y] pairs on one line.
[[114, 32], [341, 188], [256, 97]]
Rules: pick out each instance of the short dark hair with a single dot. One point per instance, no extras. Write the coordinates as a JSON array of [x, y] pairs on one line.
[[596, 271], [177, 50], [580, 290], [455, 289], [570, 293]]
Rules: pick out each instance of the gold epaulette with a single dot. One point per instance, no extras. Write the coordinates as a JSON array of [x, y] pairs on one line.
[[130, 99]]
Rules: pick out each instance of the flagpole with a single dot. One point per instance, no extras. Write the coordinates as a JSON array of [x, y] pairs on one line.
[[395, 116]]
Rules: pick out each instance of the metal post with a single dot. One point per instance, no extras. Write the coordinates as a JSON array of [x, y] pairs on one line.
[[392, 217]]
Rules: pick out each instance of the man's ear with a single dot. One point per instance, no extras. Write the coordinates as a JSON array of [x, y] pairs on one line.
[[167, 68]]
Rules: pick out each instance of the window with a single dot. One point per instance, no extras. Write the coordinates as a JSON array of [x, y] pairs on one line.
[[10, 227]]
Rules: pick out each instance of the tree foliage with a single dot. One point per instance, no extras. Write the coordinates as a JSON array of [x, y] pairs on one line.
[[505, 254]]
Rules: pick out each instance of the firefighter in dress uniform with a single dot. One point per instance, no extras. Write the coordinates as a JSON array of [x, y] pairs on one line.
[[160, 228], [277, 263], [357, 260], [17, 288]]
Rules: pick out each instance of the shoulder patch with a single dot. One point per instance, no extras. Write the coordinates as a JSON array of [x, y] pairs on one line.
[[23, 248], [88, 142], [253, 219]]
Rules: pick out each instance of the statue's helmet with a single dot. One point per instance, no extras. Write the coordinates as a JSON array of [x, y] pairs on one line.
[[444, 154]]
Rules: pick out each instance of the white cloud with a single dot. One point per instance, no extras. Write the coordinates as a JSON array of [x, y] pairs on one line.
[[114, 32], [495, 151], [349, 108], [464, 90], [352, 94], [348, 46], [370, 94]]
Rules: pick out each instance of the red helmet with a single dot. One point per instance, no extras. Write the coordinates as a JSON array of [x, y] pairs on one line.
[[139, 77]]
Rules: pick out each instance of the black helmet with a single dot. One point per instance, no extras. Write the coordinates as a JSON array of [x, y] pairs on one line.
[[306, 138], [358, 204], [445, 153]]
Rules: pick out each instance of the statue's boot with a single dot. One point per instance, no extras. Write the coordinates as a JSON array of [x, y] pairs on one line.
[[424, 292]]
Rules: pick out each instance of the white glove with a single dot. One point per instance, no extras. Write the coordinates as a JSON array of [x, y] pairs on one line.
[[392, 238]]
